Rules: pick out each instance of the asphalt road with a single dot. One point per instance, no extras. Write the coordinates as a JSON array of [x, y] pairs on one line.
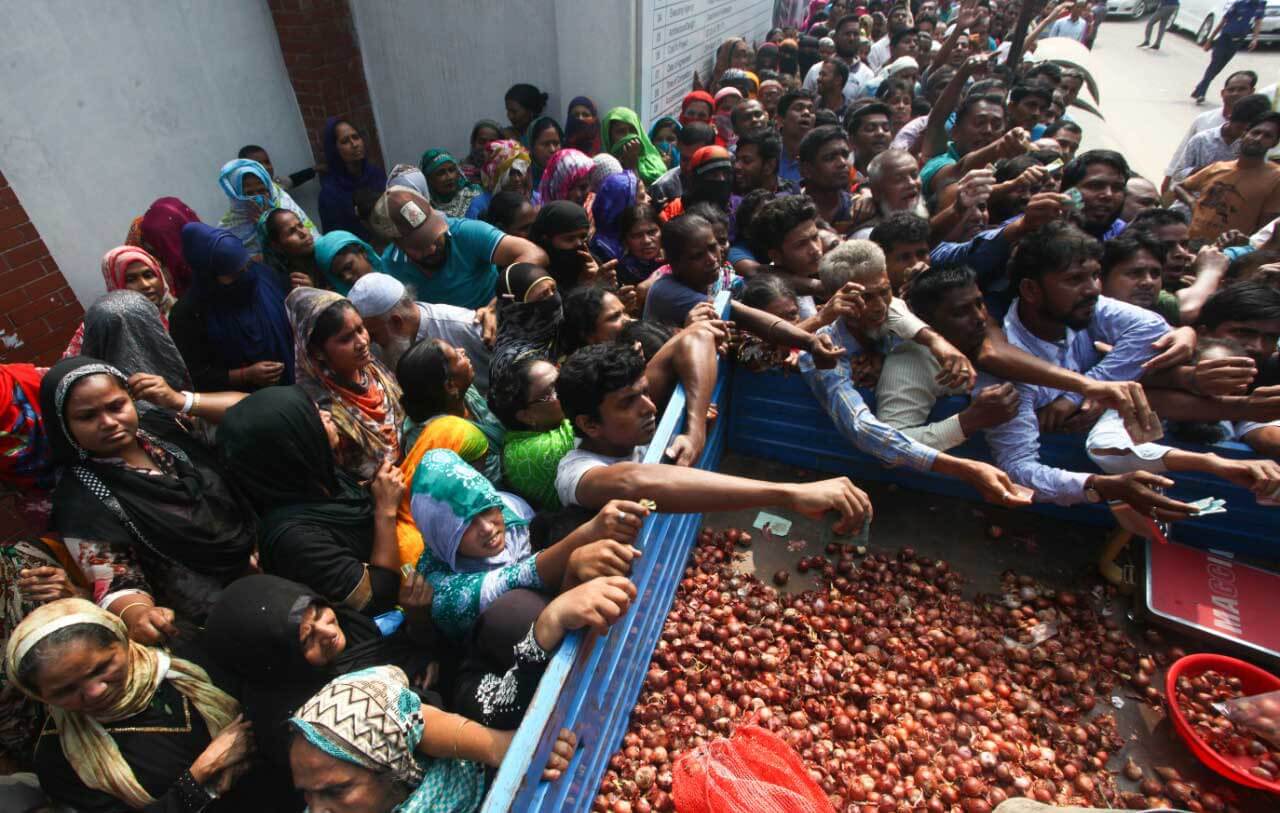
[[1146, 95]]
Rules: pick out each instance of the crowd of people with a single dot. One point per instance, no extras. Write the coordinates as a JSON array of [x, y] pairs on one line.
[[316, 499]]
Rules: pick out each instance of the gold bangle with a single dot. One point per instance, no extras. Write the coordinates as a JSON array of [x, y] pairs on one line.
[[457, 735], [130, 606], [195, 404]]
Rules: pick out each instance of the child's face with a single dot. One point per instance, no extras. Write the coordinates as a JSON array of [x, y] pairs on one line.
[[486, 535]]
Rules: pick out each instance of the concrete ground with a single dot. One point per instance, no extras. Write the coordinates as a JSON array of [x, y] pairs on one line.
[[1146, 95], [1059, 554]]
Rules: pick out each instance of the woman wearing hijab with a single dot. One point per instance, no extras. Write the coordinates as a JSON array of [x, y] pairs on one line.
[[624, 138], [159, 233], [523, 396], [506, 169], [288, 249], [561, 229], [697, 105], [131, 727], [344, 258], [252, 193], [124, 330], [347, 168], [582, 126], [543, 139], [449, 191], [141, 505], [566, 177], [612, 199], [131, 268], [484, 133], [529, 317], [665, 133], [336, 368], [318, 525], [231, 327]]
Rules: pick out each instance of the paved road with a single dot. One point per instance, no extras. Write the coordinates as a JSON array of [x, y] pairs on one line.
[[1146, 95]]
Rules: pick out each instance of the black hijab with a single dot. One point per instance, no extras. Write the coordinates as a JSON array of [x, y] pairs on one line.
[[274, 447], [191, 517], [525, 329], [556, 218]]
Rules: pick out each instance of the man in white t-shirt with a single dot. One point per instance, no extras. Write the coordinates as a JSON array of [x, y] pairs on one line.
[[606, 393], [846, 37], [900, 19], [396, 323]]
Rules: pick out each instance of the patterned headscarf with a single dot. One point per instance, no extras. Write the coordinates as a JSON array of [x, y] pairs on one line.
[[566, 168], [371, 419], [116, 261], [90, 750], [454, 205], [372, 718], [25, 459], [605, 165], [447, 493], [242, 218], [500, 159], [124, 329]]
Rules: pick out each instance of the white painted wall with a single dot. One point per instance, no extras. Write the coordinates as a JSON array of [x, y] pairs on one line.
[[108, 105]]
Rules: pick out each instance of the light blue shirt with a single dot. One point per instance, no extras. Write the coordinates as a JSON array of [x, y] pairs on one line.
[[1016, 444], [844, 404]]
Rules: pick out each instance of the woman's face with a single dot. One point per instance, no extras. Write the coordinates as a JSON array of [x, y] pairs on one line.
[[139, 277], [293, 238], [899, 109], [571, 240], [84, 676], [579, 191], [725, 106], [612, 319], [252, 187], [642, 193], [544, 288], [698, 111], [619, 130], [350, 144], [582, 113], [644, 241], [545, 145], [785, 307], [722, 237], [319, 635], [486, 535], [347, 352], [337, 786], [483, 138], [522, 220], [542, 411], [101, 416], [518, 115], [444, 181], [351, 264], [743, 57], [517, 181], [665, 135], [461, 371]]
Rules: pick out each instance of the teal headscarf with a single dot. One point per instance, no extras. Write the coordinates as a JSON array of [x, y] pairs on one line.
[[651, 166], [331, 245], [448, 493], [667, 149], [372, 718]]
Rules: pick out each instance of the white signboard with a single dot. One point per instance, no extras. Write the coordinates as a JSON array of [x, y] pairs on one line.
[[678, 37]]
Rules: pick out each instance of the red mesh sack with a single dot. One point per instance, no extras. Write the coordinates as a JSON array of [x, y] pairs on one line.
[[752, 772]]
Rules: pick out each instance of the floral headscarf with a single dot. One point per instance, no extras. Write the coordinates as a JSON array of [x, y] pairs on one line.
[[566, 168], [372, 718], [500, 158], [369, 420], [447, 493]]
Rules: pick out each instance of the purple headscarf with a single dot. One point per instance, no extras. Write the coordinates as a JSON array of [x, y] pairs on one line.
[[615, 194], [338, 185]]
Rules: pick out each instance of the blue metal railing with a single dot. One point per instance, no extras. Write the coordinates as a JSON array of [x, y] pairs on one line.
[[593, 681]]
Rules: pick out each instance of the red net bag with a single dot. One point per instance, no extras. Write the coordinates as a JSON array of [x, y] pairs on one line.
[[752, 772]]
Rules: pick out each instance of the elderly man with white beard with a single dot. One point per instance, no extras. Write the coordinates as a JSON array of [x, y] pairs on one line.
[[396, 322], [893, 177]]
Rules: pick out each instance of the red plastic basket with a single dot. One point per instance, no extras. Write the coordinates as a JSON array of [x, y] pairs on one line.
[[1252, 680]]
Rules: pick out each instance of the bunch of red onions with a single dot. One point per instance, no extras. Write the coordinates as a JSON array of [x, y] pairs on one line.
[[1196, 697], [896, 691]]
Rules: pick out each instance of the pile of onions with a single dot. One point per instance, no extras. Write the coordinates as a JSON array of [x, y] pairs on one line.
[[896, 691], [1196, 697]]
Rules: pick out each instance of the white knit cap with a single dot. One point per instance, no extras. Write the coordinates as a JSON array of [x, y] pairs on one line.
[[375, 294]]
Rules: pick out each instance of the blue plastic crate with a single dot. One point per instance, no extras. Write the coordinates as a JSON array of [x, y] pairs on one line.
[[774, 415]]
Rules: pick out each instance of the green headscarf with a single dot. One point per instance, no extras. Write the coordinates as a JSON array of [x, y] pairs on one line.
[[448, 493], [331, 245], [651, 166]]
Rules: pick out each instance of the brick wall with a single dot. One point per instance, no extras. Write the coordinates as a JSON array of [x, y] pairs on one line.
[[318, 40], [38, 311]]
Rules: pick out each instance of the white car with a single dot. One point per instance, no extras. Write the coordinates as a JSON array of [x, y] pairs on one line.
[[1133, 9], [1200, 17]]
